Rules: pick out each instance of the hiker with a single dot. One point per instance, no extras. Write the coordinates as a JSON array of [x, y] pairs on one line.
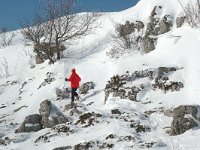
[[74, 79]]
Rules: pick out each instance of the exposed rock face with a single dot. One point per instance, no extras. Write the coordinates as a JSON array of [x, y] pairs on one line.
[[184, 119], [126, 29], [165, 24], [45, 108], [31, 123], [148, 44], [139, 25], [85, 87], [179, 21]]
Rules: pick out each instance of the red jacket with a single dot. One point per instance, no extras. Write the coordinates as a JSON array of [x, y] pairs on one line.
[[74, 79]]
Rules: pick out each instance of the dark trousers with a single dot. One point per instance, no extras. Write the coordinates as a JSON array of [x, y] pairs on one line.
[[73, 94]]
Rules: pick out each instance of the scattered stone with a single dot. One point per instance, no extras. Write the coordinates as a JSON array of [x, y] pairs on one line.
[[62, 94], [63, 148], [139, 25], [45, 138], [84, 146], [115, 111], [111, 136], [16, 110], [5, 141]]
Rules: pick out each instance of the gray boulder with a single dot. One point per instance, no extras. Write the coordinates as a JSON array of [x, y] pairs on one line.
[[62, 94], [165, 24], [85, 87], [139, 25], [184, 118], [179, 21], [32, 123], [148, 44], [51, 115], [45, 108]]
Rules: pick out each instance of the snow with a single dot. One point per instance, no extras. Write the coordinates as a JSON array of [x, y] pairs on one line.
[[177, 48]]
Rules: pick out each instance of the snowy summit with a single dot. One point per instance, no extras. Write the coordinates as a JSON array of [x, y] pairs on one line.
[[139, 87]]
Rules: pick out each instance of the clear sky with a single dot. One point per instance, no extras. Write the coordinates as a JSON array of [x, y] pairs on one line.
[[12, 12]]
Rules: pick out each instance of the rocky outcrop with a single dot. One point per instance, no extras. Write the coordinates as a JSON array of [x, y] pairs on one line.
[[165, 24], [148, 44], [117, 85], [85, 87], [139, 25], [162, 82], [184, 118]]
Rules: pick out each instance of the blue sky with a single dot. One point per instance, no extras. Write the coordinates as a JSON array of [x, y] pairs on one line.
[[12, 12]]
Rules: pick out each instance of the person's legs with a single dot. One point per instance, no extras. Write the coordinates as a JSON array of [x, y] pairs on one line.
[[73, 94]]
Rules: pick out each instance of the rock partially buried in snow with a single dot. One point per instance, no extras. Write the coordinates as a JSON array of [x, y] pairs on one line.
[[51, 115], [85, 87], [184, 118], [32, 123], [45, 108]]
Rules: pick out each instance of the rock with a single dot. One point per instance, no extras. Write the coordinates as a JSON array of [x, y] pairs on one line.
[[84, 88], [69, 106], [115, 111], [126, 29], [148, 44], [168, 113], [31, 123], [181, 121], [139, 25], [51, 115], [45, 108], [180, 21], [63, 148], [62, 94], [32, 66], [182, 110], [155, 10], [180, 125], [84, 146], [38, 59], [5, 141], [165, 24]]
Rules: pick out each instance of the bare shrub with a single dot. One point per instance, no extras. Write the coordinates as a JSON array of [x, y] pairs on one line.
[[4, 72], [192, 13], [125, 40], [58, 27], [6, 38]]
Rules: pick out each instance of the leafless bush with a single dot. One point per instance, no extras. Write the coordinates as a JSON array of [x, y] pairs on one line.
[[6, 38], [124, 40], [192, 13], [4, 68], [58, 27]]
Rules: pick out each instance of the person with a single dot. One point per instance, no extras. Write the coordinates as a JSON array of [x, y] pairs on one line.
[[74, 79]]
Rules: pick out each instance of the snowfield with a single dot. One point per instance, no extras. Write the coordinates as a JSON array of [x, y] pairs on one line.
[[21, 93]]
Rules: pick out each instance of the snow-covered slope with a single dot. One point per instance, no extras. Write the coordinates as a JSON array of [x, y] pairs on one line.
[[21, 94]]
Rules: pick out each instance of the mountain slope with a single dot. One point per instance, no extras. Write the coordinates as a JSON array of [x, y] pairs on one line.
[[121, 122]]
